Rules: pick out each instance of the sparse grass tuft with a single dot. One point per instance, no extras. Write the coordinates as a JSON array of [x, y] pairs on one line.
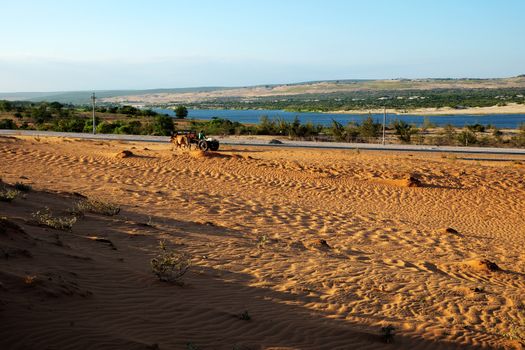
[[170, 265], [96, 207], [262, 241], [516, 332], [46, 218], [245, 316], [30, 280], [191, 346], [150, 222], [388, 333], [23, 187]]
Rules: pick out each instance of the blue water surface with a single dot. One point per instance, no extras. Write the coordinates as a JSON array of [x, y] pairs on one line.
[[250, 116]]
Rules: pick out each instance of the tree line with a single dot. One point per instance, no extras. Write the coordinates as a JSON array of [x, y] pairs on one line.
[[55, 116], [362, 100], [368, 131], [131, 120]]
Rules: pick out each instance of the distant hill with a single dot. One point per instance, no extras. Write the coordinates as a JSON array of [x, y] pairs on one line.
[[314, 88], [332, 89], [84, 97]]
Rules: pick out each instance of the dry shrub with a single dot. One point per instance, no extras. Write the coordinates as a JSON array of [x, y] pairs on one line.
[[388, 333], [517, 334], [45, 217], [170, 265], [23, 187], [30, 280], [262, 240], [96, 207], [7, 194], [245, 316]]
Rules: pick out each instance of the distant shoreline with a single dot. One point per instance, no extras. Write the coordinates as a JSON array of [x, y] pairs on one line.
[[433, 111], [509, 109]]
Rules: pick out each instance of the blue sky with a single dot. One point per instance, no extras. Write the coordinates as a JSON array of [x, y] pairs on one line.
[[92, 45]]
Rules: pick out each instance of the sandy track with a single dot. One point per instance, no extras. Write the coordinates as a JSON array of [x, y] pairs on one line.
[[386, 259]]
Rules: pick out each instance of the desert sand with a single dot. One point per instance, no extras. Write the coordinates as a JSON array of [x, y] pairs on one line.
[[290, 248], [511, 108]]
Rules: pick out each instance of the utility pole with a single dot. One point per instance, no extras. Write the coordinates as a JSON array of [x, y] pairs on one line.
[[384, 125], [93, 98]]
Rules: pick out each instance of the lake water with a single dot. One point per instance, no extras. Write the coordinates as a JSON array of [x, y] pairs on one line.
[[502, 121]]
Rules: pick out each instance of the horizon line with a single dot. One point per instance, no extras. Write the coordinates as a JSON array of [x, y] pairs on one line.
[[262, 84]]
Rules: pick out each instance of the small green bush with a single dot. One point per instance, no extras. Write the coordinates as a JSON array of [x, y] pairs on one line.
[[7, 124], [181, 112], [467, 137], [106, 127], [404, 131], [163, 125], [476, 127]]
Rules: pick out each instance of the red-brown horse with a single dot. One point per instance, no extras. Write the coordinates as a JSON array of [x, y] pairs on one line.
[[180, 141]]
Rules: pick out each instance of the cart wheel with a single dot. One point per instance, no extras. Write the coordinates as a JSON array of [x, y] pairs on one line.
[[214, 145], [203, 145]]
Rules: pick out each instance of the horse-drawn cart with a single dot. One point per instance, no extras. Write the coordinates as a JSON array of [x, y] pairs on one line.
[[188, 138]]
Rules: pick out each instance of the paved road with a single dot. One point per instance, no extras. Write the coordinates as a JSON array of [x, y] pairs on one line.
[[247, 141]]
